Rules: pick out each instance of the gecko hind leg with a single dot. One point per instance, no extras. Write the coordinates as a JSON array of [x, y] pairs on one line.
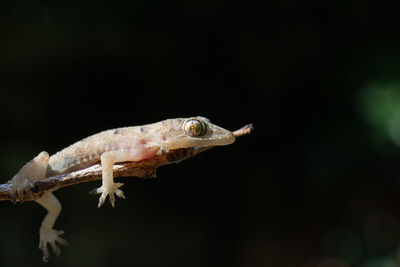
[[48, 235], [21, 184], [35, 169]]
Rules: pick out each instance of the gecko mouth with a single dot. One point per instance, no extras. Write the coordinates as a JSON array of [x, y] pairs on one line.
[[219, 140]]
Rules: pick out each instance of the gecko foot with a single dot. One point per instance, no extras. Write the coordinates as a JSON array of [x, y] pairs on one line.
[[51, 236], [109, 191], [19, 188]]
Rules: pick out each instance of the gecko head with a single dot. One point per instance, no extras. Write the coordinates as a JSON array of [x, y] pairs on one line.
[[191, 132]]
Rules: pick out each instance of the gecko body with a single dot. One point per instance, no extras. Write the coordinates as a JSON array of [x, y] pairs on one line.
[[126, 144]]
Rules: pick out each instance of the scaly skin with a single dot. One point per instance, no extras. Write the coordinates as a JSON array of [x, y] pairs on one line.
[[109, 147]]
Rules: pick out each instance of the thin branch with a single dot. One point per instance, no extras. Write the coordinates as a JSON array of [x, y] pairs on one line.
[[142, 169]]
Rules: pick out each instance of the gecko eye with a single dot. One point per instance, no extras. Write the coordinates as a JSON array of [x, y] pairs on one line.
[[194, 127]]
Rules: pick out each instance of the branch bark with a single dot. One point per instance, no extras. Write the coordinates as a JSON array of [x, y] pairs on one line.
[[141, 169]]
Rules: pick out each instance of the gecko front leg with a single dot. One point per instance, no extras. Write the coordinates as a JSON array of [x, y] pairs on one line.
[[109, 187], [139, 151]]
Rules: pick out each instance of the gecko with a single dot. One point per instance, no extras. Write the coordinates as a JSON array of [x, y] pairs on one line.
[[127, 144]]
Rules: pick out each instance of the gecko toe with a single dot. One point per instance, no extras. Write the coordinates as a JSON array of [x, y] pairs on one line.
[[13, 197], [94, 191], [120, 193], [101, 200], [62, 241], [55, 248], [28, 192], [58, 241], [112, 199], [46, 254], [43, 247]]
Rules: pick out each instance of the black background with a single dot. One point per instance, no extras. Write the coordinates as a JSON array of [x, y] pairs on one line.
[[315, 185]]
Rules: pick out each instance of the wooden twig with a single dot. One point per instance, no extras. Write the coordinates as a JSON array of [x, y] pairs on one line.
[[141, 169]]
